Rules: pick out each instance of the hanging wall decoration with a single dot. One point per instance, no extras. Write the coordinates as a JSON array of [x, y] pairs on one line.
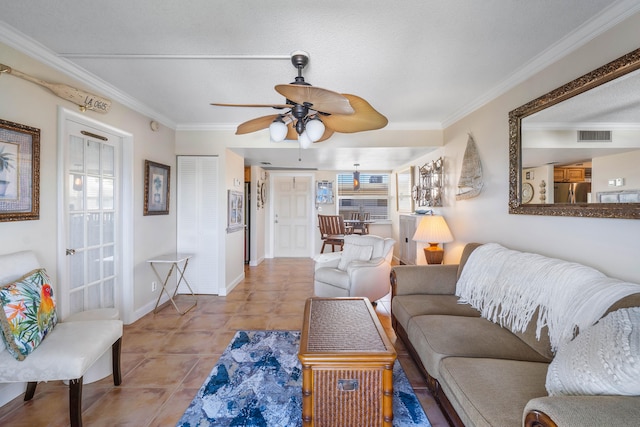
[[84, 100], [470, 183], [428, 190]]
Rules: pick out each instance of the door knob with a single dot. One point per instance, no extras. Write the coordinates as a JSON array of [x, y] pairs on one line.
[[71, 252]]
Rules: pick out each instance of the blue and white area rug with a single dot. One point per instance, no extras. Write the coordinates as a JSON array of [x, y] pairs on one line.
[[258, 382]]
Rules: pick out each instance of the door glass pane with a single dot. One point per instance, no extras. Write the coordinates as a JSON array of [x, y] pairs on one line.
[[95, 299], [93, 270], [76, 231], [76, 301], [108, 292], [108, 160], [76, 154], [76, 270], [93, 193], [93, 157], [76, 192], [107, 259], [108, 227], [93, 229], [107, 194]]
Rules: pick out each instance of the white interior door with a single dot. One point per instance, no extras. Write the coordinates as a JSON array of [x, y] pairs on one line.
[[92, 219], [292, 215]]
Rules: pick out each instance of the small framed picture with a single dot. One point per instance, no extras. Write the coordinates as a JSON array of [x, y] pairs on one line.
[[156, 188], [235, 219], [19, 172]]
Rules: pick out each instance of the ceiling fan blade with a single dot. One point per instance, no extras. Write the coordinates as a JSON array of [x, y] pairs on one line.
[[365, 117], [256, 124], [279, 106], [320, 99], [293, 135]]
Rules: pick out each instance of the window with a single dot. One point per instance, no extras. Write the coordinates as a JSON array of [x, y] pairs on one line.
[[372, 197]]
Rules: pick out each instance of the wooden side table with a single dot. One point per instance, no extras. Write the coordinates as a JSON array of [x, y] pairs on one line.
[[347, 365], [174, 260]]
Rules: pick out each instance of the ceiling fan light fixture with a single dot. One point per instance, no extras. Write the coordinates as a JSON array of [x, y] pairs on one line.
[[315, 129], [304, 140], [278, 130]]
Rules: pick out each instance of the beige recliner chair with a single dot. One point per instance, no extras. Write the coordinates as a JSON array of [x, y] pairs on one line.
[[360, 270]]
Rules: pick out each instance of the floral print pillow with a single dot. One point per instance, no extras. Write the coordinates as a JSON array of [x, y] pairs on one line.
[[28, 312]]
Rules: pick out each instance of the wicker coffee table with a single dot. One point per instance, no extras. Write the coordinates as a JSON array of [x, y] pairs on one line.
[[347, 365]]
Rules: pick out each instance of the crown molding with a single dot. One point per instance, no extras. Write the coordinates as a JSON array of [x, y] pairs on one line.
[[609, 18], [30, 47]]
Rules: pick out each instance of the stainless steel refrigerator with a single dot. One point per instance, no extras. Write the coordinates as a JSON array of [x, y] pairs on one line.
[[571, 192]]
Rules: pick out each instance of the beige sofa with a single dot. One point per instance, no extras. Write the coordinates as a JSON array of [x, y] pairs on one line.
[[489, 366]]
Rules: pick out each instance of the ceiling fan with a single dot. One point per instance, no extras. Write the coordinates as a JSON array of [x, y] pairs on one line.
[[311, 114]]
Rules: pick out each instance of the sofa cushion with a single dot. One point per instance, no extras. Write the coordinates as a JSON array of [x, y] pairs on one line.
[[404, 307], [353, 252], [28, 313], [491, 392], [436, 337], [603, 359]]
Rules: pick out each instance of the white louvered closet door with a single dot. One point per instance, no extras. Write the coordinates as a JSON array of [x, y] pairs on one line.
[[198, 221]]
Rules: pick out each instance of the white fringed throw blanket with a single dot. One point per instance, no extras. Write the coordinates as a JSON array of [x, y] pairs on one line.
[[507, 287]]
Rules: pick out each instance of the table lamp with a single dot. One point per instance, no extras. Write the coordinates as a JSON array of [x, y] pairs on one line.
[[433, 230]]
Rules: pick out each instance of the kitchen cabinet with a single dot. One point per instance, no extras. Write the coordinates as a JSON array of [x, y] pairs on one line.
[[568, 174]]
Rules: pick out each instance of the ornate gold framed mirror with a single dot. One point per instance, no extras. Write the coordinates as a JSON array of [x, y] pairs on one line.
[[576, 149]]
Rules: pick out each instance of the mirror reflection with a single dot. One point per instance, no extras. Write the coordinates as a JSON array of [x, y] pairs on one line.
[[575, 151], [585, 149]]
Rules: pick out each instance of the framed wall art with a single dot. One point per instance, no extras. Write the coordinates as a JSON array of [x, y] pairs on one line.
[[156, 188], [235, 219], [19, 172]]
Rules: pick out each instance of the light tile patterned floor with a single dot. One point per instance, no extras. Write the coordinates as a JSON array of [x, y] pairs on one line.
[[166, 357]]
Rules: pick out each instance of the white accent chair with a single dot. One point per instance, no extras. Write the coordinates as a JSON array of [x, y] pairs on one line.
[[360, 270], [67, 352]]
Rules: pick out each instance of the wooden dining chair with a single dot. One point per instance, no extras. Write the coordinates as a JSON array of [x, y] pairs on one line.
[[332, 231], [362, 227]]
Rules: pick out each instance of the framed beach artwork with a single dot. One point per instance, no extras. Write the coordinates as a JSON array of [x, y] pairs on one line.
[[235, 219], [19, 172], [156, 188]]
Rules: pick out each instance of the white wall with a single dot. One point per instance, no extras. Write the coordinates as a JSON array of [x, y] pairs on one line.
[[26, 103], [611, 245]]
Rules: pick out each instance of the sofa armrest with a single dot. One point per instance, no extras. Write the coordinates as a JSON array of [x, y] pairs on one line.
[[424, 279], [328, 260], [552, 411]]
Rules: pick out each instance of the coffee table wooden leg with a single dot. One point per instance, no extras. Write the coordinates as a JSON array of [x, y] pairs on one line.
[[307, 396], [387, 396]]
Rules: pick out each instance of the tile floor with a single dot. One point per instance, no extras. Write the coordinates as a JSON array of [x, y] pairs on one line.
[[166, 357]]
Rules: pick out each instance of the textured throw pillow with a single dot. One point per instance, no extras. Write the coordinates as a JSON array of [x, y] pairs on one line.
[[602, 360], [28, 312], [354, 253]]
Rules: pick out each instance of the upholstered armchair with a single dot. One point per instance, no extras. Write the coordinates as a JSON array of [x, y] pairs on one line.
[[360, 270]]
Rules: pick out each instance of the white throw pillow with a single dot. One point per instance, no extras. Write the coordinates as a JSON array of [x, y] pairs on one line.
[[354, 253], [602, 360]]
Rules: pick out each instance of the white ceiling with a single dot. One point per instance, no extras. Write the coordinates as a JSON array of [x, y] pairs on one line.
[[421, 63]]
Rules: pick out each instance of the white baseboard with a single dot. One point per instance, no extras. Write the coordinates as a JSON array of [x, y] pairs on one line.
[[9, 391]]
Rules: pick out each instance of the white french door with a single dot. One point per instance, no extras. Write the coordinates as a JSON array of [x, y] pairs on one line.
[[91, 274], [292, 215]]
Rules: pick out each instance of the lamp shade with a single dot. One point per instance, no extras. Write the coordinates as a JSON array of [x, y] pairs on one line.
[[433, 229]]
